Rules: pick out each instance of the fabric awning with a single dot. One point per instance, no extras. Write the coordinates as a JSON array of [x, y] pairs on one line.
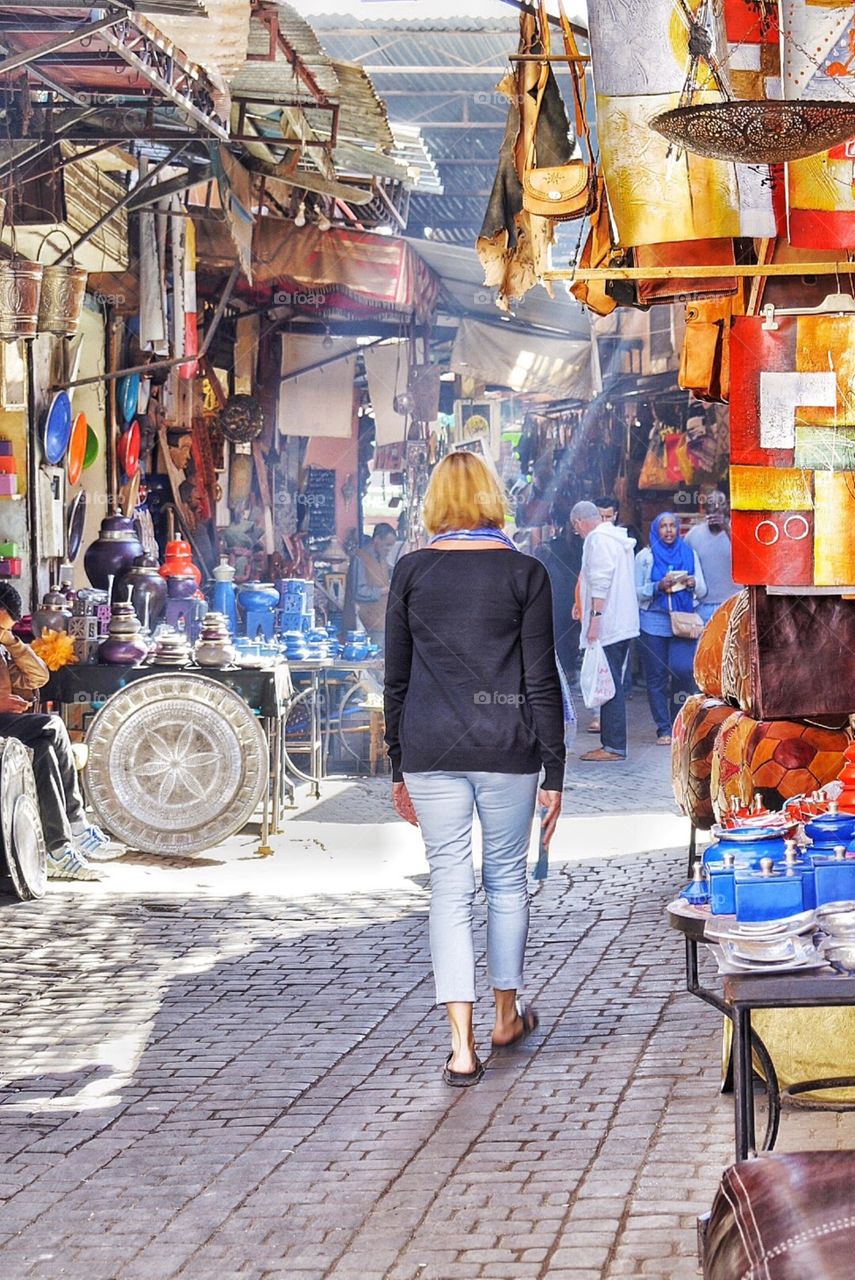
[[315, 271], [524, 361]]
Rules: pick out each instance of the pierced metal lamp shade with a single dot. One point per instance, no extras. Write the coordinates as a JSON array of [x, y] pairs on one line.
[[758, 132]]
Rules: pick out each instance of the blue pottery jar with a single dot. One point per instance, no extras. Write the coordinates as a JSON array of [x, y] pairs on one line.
[[721, 882], [827, 830], [747, 844], [771, 893], [834, 876], [697, 890]]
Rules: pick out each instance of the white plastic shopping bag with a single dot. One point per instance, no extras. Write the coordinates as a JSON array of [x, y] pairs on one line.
[[595, 679]]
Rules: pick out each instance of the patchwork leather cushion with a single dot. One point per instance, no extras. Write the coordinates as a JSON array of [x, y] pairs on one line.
[[801, 659], [710, 650], [779, 758], [736, 653], [784, 1217], [693, 737]]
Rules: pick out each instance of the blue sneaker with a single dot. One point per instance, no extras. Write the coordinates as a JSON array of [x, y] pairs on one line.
[[94, 844], [67, 864]]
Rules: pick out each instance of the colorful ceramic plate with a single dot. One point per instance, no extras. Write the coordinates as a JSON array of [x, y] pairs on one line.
[[92, 449], [76, 521], [77, 448], [57, 428], [128, 449], [127, 395]]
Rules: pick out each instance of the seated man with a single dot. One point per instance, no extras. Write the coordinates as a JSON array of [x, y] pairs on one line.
[[70, 839]]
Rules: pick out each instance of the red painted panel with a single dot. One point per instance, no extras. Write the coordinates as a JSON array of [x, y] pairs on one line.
[[773, 548], [754, 349], [819, 229]]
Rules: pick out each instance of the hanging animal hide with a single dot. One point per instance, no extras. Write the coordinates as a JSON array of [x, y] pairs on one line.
[[513, 244]]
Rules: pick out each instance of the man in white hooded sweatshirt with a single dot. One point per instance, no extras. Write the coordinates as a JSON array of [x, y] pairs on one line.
[[609, 613]]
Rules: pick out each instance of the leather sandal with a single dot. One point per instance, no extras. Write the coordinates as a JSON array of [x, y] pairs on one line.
[[462, 1079], [601, 755], [530, 1023]]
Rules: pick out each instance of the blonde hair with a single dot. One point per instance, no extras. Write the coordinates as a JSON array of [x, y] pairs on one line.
[[463, 494]]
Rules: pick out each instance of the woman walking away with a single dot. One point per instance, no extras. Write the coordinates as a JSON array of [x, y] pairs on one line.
[[668, 579], [473, 712]]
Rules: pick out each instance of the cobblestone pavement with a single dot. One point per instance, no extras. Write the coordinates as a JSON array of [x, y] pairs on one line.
[[231, 1083]]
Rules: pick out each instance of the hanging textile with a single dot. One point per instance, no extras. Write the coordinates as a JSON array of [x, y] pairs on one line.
[[387, 368], [819, 63], [153, 335], [318, 402], [190, 336]]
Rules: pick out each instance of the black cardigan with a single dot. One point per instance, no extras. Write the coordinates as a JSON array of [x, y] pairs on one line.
[[471, 680]]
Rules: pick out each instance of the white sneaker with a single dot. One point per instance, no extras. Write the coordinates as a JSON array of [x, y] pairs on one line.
[[68, 864], [94, 844]]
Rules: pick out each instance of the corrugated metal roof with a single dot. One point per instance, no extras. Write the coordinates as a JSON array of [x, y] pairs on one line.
[[440, 75], [216, 41]]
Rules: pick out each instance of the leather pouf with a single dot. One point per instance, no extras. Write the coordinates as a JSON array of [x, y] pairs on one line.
[[710, 651], [736, 653], [694, 734], [784, 1217], [780, 758]]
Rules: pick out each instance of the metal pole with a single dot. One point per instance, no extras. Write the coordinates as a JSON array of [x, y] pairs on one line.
[[60, 42]]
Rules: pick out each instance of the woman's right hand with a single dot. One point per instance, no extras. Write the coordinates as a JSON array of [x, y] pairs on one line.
[[550, 804], [403, 804]]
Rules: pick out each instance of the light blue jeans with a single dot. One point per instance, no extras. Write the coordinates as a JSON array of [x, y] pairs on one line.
[[444, 804]]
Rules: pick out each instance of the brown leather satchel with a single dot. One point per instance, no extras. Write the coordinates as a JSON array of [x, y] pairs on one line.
[[597, 251], [569, 190], [685, 253], [705, 357]]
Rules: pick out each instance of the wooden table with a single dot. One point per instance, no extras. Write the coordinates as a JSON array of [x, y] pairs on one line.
[[740, 995]]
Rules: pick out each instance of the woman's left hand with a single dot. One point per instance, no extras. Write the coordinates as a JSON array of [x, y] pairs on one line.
[[403, 804], [550, 803], [690, 583]]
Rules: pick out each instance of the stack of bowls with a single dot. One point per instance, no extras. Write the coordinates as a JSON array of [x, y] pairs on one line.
[[171, 648], [837, 921], [214, 647], [295, 646]]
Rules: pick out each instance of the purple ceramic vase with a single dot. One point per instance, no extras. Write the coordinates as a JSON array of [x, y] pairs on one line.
[[145, 588], [113, 552]]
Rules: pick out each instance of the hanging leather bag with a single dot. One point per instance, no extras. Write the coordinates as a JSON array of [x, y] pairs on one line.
[[705, 356], [597, 251], [569, 190]]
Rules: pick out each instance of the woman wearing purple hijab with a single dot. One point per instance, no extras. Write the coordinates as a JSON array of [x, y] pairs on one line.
[[668, 577]]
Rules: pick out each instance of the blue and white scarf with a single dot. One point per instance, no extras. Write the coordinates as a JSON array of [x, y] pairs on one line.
[[475, 535]]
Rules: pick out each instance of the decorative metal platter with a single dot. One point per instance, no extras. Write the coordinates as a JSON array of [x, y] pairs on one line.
[[176, 764], [758, 132], [23, 841]]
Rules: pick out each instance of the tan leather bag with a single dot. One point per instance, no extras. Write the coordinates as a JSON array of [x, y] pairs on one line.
[[569, 190], [596, 252], [705, 357]]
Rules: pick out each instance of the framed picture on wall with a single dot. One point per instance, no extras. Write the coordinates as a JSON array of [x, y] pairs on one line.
[[477, 418], [13, 377]]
